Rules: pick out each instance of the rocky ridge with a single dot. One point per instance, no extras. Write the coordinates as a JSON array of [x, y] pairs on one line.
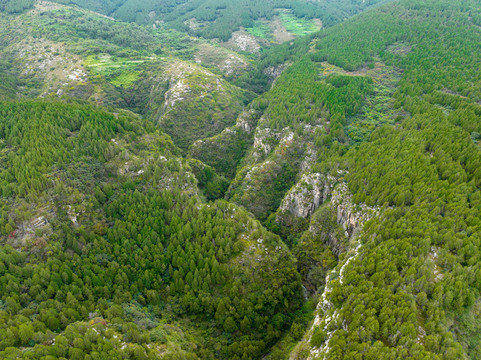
[[306, 196], [352, 217]]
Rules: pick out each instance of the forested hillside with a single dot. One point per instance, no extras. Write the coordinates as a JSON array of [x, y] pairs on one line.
[[59, 51], [220, 18], [175, 183], [15, 6], [117, 255], [375, 122], [409, 286]]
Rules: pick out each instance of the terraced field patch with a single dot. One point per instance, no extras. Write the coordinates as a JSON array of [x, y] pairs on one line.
[[120, 72], [298, 26], [284, 27]]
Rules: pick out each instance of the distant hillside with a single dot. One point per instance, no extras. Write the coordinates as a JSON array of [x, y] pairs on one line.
[[180, 82], [15, 6], [220, 18], [126, 10]]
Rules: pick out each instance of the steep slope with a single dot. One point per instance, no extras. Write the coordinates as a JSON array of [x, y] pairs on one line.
[[406, 284], [277, 20], [305, 109], [197, 103], [103, 229], [356, 175], [225, 151], [179, 82]]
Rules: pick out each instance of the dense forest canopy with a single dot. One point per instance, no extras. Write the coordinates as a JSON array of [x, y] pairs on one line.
[[15, 6], [219, 18], [136, 255], [410, 278], [166, 196]]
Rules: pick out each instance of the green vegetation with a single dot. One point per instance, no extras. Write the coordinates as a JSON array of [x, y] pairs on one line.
[[260, 29], [212, 185], [115, 235], [301, 98], [94, 35], [225, 152], [126, 80], [103, 6], [257, 80], [198, 105], [219, 18], [400, 114], [127, 66], [114, 244], [297, 26], [317, 109], [120, 72], [9, 81], [414, 275], [261, 188], [15, 6], [224, 17], [294, 25]]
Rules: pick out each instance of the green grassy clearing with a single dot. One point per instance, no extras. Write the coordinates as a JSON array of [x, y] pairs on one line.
[[297, 26], [126, 79], [261, 29], [120, 72]]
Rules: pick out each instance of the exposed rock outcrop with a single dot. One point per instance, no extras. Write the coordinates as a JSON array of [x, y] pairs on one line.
[[273, 72], [243, 41], [306, 196], [351, 216], [247, 120], [267, 139], [310, 157], [176, 93], [263, 140], [328, 318]]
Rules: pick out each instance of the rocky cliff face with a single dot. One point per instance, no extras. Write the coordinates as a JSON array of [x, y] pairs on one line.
[[273, 72], [285, 156], [351, 216], [306, 196], [247, 120], [264, 140], [314, 189], [268, 172]]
